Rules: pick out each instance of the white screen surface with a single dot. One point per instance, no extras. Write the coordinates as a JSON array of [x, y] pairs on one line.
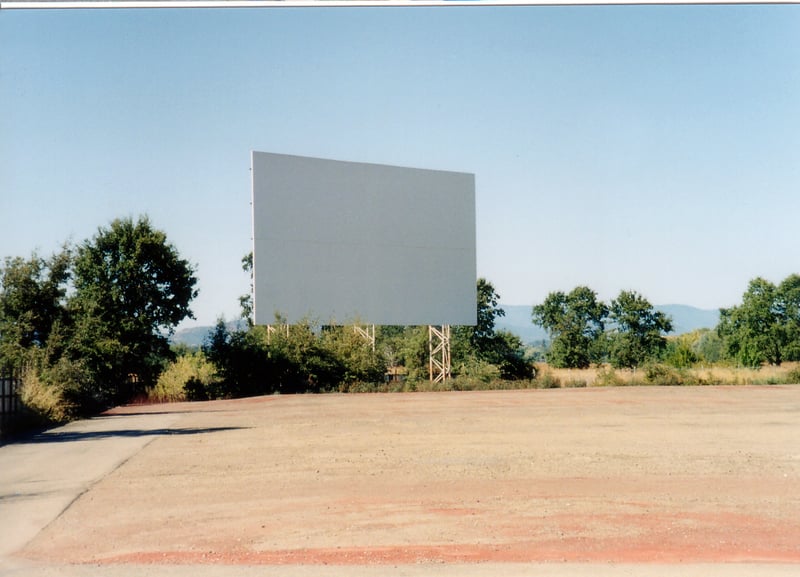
[[340, 242]]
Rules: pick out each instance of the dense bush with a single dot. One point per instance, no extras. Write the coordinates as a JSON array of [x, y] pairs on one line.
[[665, 375], [243, 364], [547, 380], [190, 377], [291, 359], [608, 377], [473, 368], [45, 404]]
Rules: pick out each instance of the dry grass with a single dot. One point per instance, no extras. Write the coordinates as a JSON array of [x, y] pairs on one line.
[[712, 375], [45, 401], [768, 374], [593, 376]]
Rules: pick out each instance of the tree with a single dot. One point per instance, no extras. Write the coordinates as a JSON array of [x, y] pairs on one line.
[[510, 357], [471, 346], [359, 362], [679, 352], [488, 312], [480, 339], [709, 346], [411, 351], [246, 300], [766, 326], [699, 346], [789, 294], [131, 290], [243, 362], [32, 303], [638, 327], [575, 322]]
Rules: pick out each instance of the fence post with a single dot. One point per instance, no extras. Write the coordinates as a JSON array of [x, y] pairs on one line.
[[9, 401]]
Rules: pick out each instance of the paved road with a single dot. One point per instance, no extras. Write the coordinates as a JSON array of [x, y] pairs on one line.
[[41, 477]]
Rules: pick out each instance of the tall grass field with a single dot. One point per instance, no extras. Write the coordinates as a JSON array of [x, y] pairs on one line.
[[549, 377]]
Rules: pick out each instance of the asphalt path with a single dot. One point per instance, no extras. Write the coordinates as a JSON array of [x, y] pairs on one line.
[[42, 475]]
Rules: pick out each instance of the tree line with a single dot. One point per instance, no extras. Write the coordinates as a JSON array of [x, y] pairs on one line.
[[629, 332], [90, 327], [584, 331], [309, 357]]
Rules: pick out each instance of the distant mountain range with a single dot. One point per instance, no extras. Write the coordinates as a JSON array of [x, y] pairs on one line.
[[517, 320], [194, 336]]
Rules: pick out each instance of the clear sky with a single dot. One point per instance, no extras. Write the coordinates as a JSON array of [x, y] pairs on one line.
[[647, 148]]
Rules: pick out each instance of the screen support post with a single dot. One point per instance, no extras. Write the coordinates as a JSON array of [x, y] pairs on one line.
[[439, 349], [368, 333]]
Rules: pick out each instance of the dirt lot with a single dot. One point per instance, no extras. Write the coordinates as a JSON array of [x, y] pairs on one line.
[[617, 475]]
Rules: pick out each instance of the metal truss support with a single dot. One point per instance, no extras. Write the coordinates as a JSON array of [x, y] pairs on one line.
[[271, 329], [367, 333], [439, 347]]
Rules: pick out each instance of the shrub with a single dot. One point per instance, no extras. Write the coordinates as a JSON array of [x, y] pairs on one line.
[[793, 376], [663, 375], [709, 379], [516, 366], [77, 387], [354, 360], [44, 402], [477, 369], [246, 365], [431, 387], [547, 381], [575, 384], [190, 377], [679, 353], [608, 377]]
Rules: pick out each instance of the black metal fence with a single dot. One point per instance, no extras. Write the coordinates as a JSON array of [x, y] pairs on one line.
[[10, 405]]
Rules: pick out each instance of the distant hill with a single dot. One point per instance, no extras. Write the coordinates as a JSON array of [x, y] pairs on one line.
[[195, 336], [685, 319], [517, 320]]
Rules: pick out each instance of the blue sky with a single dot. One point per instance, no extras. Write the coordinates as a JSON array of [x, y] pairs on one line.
[[653, 148]]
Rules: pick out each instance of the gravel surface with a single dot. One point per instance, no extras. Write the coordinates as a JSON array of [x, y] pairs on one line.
[[619, 481]]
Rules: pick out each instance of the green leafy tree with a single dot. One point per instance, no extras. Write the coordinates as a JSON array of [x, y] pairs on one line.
[[131, 290], [789, 294], [32, 305], [489, 310], [246, 300], [638, 330], [479, 340], [244, 363], [766, 326], [389, 341], [471, 346], [291, 359], [688, 349], [708, 346], [412, 351], [511, 357], [360, 363], [680, 352], [575, 322]]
